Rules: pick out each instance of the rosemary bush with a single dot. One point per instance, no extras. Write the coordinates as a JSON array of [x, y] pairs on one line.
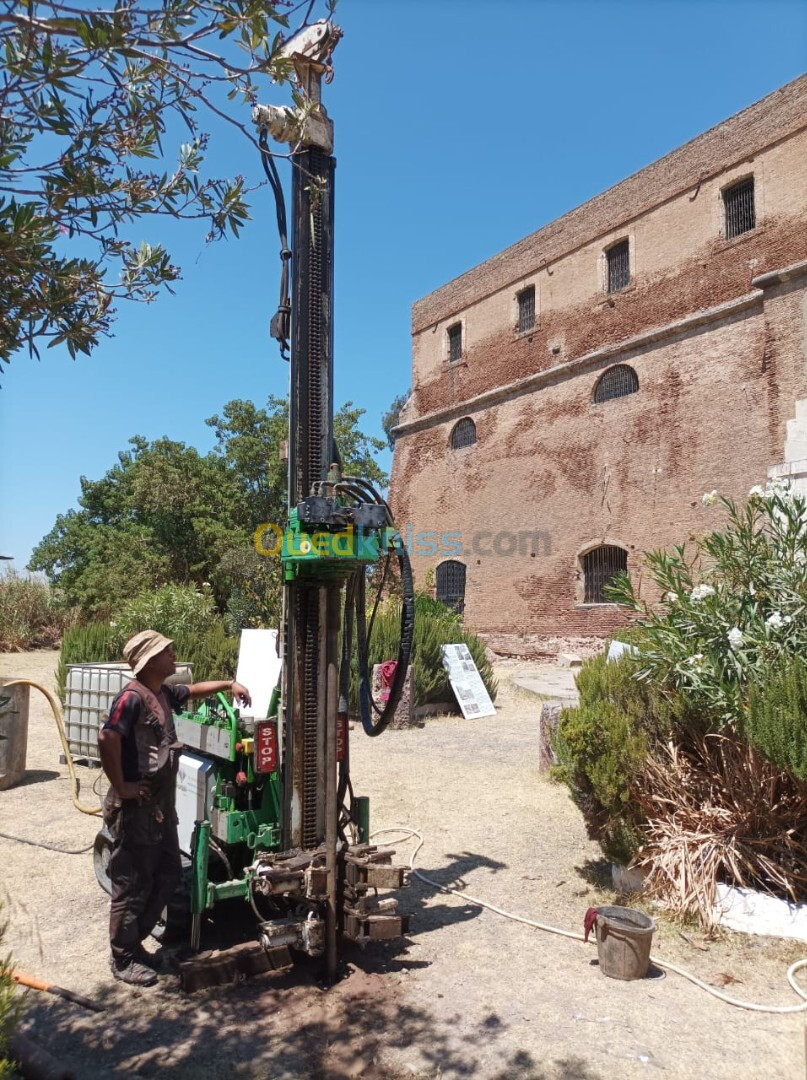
[[212, 651], [435, 626], [9, 1011]]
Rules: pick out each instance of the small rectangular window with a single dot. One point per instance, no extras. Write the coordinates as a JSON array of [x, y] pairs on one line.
[[526, 310], [740, 211], [455, 341], [618, 266]]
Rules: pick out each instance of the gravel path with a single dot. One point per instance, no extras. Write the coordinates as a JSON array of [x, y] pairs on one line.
[[469, 994]]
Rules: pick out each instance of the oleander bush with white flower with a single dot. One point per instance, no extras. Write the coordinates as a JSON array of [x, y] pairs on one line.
[[716, 697], [732, 609]]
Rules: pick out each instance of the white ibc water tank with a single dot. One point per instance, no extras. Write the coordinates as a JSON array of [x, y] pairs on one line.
[[90, 689]]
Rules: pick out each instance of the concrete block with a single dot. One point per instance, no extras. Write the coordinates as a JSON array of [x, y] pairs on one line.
[[405, 711], [13, 733], [569, 660], [547, 723]]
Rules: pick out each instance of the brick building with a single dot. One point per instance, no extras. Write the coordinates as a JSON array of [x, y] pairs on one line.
[[575, 395]]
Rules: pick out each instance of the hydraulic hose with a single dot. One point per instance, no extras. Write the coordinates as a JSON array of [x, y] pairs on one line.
[[57, 716], [366, 704]]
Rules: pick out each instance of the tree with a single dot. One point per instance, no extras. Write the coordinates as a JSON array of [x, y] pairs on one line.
[[88, 100], [356, 449], [167, 514], [245, 434], [163, 514], [390, 418]]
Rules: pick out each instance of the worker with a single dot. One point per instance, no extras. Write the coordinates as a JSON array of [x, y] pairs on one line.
[[138, 747]]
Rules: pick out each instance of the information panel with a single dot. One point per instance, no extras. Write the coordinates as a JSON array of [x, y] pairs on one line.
[[466, 682]]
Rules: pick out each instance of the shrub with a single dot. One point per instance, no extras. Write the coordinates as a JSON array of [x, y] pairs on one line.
[[435, 626], [599, 755], [172, 610], [731, 608], [93, 643], [694, 749], [9, 1011], [30, 616], [601, 747], [775, 719], [212, 652]]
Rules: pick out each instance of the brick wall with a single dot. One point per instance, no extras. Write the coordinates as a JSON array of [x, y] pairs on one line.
[[720, 361]]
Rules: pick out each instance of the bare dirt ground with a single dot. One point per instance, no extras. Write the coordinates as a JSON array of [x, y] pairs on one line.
[[468, 994]]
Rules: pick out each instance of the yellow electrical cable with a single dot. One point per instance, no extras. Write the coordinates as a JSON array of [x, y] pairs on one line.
[[57, 716]]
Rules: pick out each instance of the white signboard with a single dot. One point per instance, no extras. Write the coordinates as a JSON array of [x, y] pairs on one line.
[[466, 682], [258, 669]]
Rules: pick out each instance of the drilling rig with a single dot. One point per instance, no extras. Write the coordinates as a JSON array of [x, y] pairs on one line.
[[273, 807]]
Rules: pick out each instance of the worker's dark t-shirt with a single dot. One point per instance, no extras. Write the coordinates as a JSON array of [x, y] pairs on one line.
[[140, 743]]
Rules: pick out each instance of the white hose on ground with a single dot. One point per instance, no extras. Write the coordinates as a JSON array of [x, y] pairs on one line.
[[57, 716], [409, 834]]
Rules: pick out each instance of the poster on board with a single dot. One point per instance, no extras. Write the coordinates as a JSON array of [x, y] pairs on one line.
[[466, 682]]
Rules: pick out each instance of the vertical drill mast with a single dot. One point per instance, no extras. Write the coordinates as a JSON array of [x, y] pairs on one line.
[[310, 451], [321, 505]]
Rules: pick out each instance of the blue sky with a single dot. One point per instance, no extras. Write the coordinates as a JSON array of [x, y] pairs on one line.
[[461, 126]]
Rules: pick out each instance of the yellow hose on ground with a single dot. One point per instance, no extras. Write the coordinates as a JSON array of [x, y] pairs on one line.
[[68, 757]]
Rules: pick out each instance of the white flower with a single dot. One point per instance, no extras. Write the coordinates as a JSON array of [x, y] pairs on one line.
[[779, 486], [670, 597], [756, 490], [710, 498], [736, 637], [775, 621], [700, 592], [787, 619]]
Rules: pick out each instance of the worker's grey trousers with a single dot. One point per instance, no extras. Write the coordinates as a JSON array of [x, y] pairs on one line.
[[144, 868]]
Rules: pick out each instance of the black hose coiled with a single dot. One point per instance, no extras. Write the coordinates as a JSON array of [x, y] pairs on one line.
[[366, 703]]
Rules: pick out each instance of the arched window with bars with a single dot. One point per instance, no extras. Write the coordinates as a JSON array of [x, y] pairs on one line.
[[600, 567], [616, 382], [451, 585], [463, 433]]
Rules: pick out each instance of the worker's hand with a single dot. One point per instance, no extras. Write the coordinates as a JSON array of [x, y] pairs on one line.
[[139, 790], [240, 693]]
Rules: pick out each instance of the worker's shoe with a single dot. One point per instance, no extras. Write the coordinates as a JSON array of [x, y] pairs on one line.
[[147, 959], [132, 972]]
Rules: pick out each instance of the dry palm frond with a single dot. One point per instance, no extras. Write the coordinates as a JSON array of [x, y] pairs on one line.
[[719, 811]]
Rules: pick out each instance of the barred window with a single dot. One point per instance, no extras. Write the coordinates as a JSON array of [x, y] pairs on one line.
[[616, 382], [600, 566], [454, 334], [451, 585], [738, 201], [526, 309], [463, 433], [618, 266]]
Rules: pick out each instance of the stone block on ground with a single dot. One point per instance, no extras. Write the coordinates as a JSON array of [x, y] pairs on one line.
[[404, 716], [14, 702], [569, 660], [547, 723]]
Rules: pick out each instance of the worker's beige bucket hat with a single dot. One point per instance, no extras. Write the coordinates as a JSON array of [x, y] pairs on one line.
[[143, 647]]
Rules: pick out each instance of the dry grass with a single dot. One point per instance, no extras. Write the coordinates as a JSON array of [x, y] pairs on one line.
[[29, 617], [718, 811]]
